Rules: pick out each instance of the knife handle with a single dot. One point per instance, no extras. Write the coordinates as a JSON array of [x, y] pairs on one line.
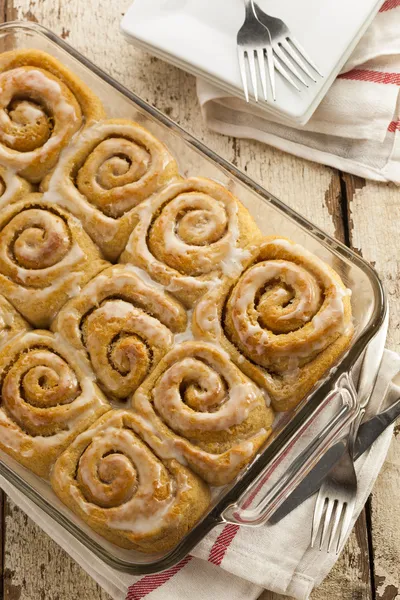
[[354, 427]]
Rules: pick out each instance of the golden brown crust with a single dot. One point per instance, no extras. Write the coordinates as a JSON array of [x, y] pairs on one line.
[[45, 258], [284, 322], [124, 325], [110, 169], [48, 397], [189, 235], [11, 322], [114, 482], [12, 187], [199, 407], [35, 85]]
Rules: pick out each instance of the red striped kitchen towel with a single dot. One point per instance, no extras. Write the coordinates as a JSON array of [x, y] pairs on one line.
[[356, 128], [234, 563]]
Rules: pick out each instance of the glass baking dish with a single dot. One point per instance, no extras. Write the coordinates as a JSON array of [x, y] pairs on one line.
[[301, 436]]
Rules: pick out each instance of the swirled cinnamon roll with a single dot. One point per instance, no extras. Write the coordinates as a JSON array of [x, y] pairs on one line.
[[45, 258], [47, 398], [198, 406], [124, 324], [11, 321], [108, 170], [284, 322], [42, 104], [114, 482], [189, 235], [12, 187]]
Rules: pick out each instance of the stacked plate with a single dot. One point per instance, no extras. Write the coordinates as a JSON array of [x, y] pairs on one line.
[[200, 37]]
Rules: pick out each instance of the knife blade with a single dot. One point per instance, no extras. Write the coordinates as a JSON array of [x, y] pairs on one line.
[[370, 366], [367, 435]]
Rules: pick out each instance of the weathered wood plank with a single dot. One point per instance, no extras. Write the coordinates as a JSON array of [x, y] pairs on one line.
[[36, 567], [312, 189], [374, 216]]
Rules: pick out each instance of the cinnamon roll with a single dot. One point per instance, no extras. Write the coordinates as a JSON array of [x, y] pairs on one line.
[[189, 235], [114, 482], [12, 187], [47, 398], [11, 321], [107, 171], [198, 407], [284, 322], [42, 104], [45, 258], [124, 324]]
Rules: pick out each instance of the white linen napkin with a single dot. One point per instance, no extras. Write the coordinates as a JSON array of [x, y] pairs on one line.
[[234, 563], [356, 128]]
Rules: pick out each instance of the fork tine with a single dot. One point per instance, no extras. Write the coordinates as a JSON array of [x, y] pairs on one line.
[[297, 58], [348, 514], [253, 73], [261, 68], [285, 74], [338, 514], [327, 521], [300, 49], [271, 70], [242, 66], [290, 65], [318, 510]]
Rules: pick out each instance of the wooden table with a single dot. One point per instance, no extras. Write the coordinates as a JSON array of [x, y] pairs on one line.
[[363, 214]]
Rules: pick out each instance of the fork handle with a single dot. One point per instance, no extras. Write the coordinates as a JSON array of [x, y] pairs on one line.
[[250, 12]]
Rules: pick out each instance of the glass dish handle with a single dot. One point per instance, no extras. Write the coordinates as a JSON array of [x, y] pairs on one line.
[[255, 508]]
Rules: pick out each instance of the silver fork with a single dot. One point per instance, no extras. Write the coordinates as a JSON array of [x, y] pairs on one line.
[[254, 42], [286, 49], [337, 496]]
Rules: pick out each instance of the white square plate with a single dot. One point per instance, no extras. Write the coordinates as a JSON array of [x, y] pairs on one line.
[[200, 37]]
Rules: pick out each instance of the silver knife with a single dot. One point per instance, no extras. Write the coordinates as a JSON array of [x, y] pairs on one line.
[[366, 382], [367, 434]]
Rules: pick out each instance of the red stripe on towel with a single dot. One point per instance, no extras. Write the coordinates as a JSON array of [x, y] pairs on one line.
[[149, 583], [222, 544], [394, 126], [389, 5], [372, 76]]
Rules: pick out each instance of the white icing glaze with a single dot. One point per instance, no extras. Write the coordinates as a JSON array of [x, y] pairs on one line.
[[38, 256], [52, 94], [279, 305], [186, 217], [70, 283], [122, 277], [129, 497], [12, 187], [206, 316], [144, 325], [186, 452], [229, 407], [40, 418], [107, 203], [186, 335], [6, 318]]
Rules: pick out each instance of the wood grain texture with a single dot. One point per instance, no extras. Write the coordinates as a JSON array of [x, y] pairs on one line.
[[35, 567], [374, 215]]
